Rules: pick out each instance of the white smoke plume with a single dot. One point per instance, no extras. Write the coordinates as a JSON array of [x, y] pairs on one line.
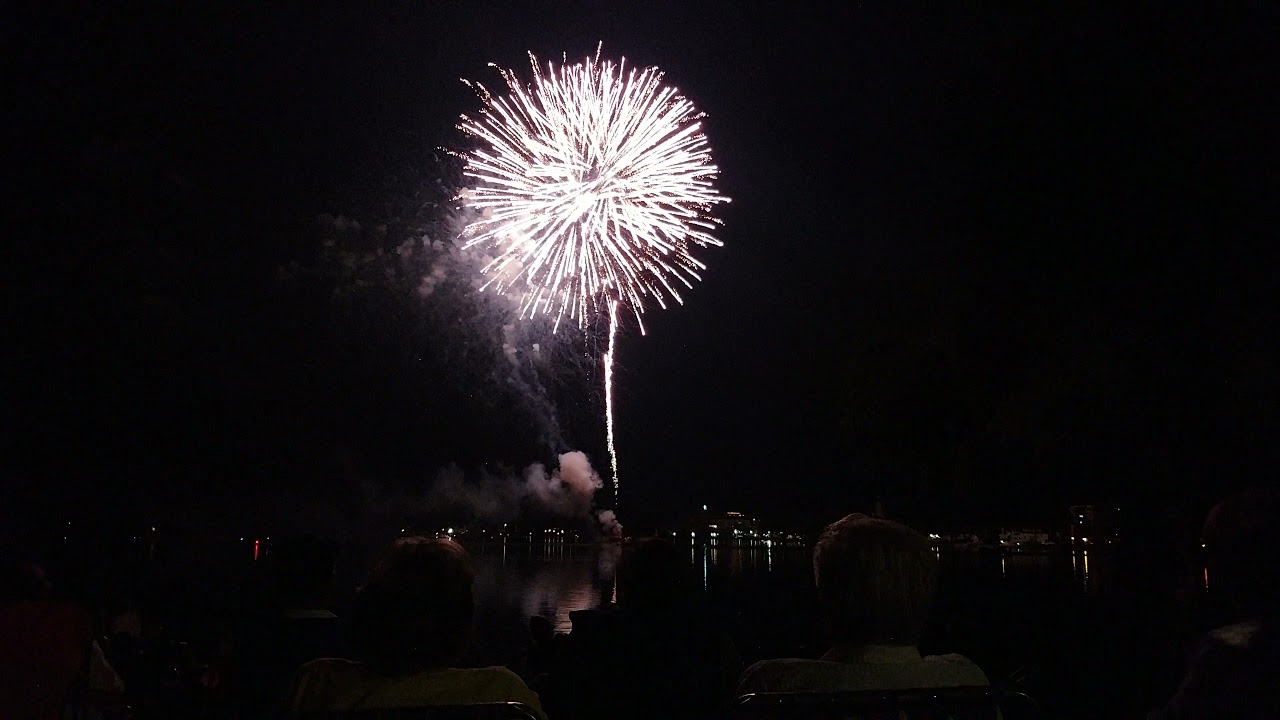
[[482, 332], [564, 493], [609, 525]]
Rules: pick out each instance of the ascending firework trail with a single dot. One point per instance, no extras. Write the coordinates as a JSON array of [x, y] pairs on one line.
[[592, 183]]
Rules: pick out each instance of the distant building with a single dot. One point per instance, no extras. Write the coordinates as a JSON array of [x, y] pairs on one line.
[[1013, 538], [956, 540], [1094, 524], [729, 524]]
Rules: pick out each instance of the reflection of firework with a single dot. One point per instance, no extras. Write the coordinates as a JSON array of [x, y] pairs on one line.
[[592, 184]]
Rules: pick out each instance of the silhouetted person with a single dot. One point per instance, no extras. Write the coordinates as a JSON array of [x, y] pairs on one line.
[[410, 624], [876, 582], [1235, 672], [47, 651], [296, 628], [543, 642], [658, 654]]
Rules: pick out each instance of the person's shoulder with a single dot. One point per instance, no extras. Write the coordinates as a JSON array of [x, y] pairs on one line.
[[501, 685], [766, 675], [952, 659], [782, 664], [55, 610], [315, 681], [958, 668], [328, 667], [494, 672], [1233, 651], [495, 677], [1237, 635]]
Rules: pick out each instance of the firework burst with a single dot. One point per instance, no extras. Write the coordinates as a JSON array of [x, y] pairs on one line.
[[591, 183]]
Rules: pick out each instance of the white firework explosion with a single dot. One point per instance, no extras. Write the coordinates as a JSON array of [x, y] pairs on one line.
[[592, 184]]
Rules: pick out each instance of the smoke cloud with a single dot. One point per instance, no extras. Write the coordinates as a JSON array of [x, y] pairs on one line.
[[564, 493], [609, 524], [465, 327], [453, 325]]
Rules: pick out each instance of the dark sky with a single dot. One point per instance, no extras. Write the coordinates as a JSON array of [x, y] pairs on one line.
[[980, 262]]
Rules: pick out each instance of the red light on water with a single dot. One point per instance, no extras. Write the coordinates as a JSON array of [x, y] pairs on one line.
[[255, 550]]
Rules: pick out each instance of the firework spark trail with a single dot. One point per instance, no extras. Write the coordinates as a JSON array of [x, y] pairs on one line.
[[592, 183], [608, 398]]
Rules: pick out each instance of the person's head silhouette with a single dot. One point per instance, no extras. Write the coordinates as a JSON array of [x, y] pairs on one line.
[[415, 612], [1238, 535], [876, 580]]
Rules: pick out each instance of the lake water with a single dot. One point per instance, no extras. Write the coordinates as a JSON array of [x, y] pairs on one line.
[[1082, 631], [554, 579], [1089, 634]]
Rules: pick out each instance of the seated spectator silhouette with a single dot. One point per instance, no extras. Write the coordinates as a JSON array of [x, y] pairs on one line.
[[543, 653], [410, 624], [1233, 673], [47, 651], [876, 582], [657, 654], [297, 627]]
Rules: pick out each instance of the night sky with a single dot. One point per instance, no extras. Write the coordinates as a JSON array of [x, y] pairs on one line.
[[980, 262]]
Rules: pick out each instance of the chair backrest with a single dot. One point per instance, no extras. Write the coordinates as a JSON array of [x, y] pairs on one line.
[[480, 711], [957, 703]]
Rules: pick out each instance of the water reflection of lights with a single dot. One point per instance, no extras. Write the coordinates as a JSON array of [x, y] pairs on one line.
[[553, 590], [581, 597], [1003, 570], [1086, 569], [1206, 577]]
